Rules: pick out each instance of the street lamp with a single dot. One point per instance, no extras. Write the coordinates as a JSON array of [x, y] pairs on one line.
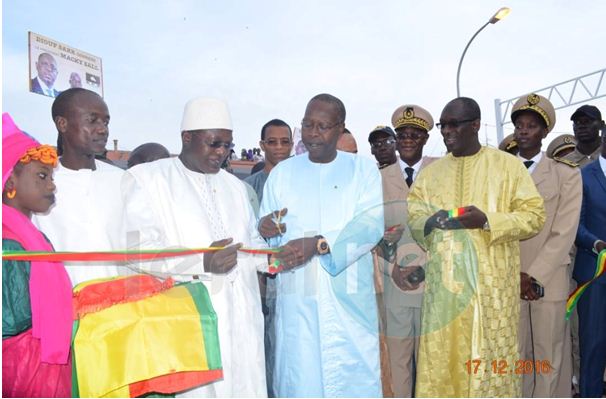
[[499, 15]]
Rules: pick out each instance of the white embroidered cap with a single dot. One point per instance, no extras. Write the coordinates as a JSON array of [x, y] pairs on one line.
[[206, 113]]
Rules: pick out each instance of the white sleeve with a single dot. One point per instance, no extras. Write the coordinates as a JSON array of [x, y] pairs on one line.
[[144, 231], [256, 241]]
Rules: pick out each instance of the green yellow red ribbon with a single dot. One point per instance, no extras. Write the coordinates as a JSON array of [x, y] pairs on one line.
[[455, 213], [393, 228], [119, 256], [600, 269], [275, 266]]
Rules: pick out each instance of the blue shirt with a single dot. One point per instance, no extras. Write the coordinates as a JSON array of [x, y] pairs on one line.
[[257, 181], [326, 313]]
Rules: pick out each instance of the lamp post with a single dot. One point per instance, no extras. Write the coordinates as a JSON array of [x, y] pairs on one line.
[[499, 15]]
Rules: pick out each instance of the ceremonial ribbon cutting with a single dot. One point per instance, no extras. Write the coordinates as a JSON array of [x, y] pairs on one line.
[[157, 257]]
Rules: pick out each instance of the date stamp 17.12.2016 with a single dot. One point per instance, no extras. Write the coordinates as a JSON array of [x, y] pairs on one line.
[[502, 366]]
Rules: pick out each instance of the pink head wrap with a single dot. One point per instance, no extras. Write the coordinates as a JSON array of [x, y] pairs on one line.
[[14, 145], [49, 285]]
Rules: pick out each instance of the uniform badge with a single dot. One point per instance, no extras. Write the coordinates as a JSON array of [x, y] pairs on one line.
[[533, 99], [409, 113]]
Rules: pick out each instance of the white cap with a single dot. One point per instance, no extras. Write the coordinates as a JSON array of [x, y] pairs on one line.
[[206, 113]]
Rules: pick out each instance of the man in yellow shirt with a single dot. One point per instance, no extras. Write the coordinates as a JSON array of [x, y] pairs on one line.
[[470, 314]]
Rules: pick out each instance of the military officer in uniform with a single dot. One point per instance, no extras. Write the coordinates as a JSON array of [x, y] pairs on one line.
[[561, 146], [509, 145], [545, 261], [402, 260]]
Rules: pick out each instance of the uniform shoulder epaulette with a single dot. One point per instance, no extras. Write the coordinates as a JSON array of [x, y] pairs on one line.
[[566, 162], [510, 145]]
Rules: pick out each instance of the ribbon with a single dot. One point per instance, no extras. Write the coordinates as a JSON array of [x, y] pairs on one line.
[[455, 213], [576, 294], [275, 266], [392, 228], [132, 255], [119, 256]]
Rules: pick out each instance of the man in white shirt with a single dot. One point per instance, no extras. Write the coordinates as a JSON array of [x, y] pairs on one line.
[[87, 215], [189, 201]]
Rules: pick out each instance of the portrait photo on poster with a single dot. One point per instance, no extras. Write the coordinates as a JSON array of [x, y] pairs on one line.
[[55, 67]]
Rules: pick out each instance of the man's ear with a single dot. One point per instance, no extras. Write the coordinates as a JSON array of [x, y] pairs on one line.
[[341, 128], [61, 124], [425, 138], [477, 124], [262, 145], [186, 137]]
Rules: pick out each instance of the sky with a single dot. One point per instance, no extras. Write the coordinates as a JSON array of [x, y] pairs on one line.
[[268, 58]]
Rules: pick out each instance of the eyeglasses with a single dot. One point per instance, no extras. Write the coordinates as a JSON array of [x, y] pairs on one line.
[[382, 143], [410, 136], [218, 144], [453, 124], [322, 128], [274, 142]]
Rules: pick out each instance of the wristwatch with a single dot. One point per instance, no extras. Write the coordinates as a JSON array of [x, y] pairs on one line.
[[322, 245], [486, 226], [389, 249]]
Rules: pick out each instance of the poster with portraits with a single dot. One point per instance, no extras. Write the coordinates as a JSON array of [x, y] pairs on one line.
[[55, 67]]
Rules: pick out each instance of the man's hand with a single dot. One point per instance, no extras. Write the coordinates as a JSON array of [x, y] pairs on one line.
[[223, 260], [526, 290], [472, 218], [386, 248], [600, 246], [296, 252], [436, 221], [400, 276], [269, 226], [393, 234]]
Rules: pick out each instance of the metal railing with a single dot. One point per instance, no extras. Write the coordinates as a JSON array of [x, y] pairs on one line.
[[582, 89]]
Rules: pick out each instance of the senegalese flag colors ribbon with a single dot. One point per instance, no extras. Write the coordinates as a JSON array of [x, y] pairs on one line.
[[131, 255], [119, 256], [455, 213], [123, 345], [275, 266], [576, 294], [393, 228]]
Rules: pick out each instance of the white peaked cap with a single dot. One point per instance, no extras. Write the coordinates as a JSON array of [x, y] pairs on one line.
[[206, 113]]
